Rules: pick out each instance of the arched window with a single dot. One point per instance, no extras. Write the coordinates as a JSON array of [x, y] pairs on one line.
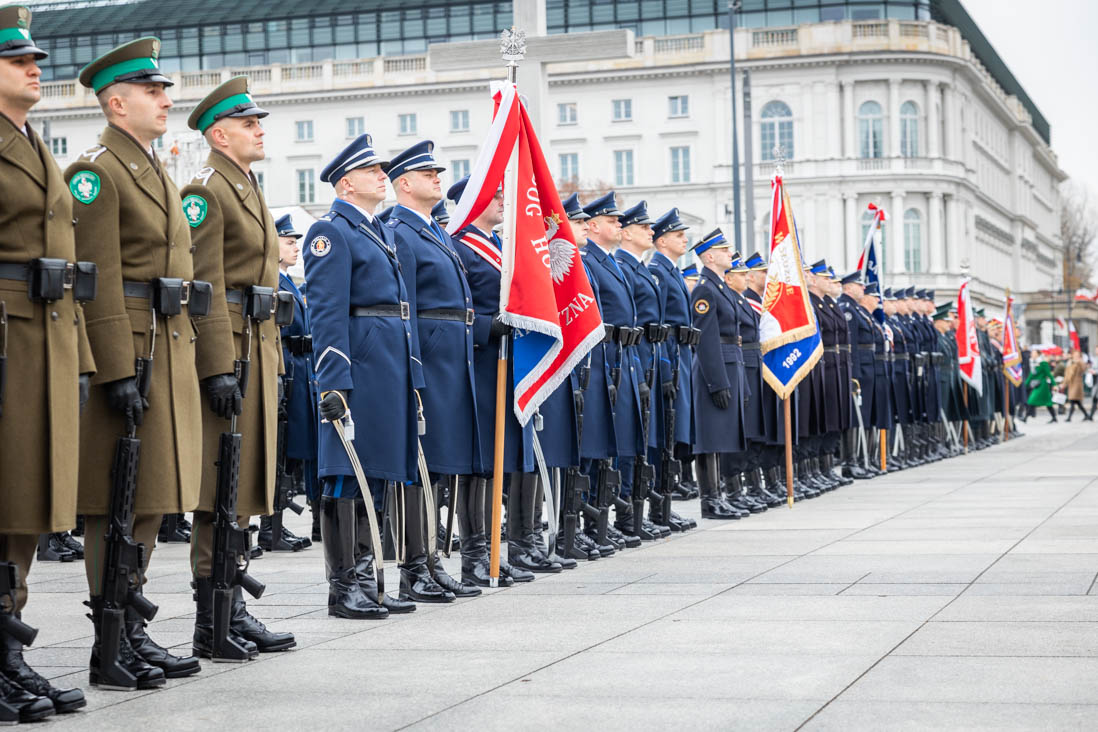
[[867, 221], [871, 130], [777, 129], [909, 130], [913, 240]]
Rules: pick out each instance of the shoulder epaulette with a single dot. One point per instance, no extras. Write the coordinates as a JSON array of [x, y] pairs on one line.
[[203, 176], [93, 152]]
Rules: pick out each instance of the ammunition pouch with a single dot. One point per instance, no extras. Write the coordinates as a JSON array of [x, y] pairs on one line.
[[284, 309]]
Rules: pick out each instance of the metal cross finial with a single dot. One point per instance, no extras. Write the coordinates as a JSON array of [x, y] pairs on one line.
[[512, 45], [779, 159]]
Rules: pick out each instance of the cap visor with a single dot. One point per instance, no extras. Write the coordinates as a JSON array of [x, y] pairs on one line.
[[28, 50]]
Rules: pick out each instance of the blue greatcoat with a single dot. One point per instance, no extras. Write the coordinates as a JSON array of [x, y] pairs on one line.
[[618, 309], [302, 394], [649, 304], [754, 425], [862, 332], [718, 364], [484, 282], [435, 277], [599, 439], [350, 263], [676, 312]]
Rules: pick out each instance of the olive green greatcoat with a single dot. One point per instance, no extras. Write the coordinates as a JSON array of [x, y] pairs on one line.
[[47, 346], [236, 245], [135, 231]]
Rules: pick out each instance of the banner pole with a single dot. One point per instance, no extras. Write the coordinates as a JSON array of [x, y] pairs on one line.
[[788, 453], [513, 48], [964, 422], [884, 451], [1006, 407]]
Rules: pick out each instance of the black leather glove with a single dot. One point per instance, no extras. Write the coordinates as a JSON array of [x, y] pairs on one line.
[[123, 396], [644, 390], [332, 406], [498, 330], [668, 389], [281, 388], [613, 394], [223, 391], [721, 398], [85, 390]]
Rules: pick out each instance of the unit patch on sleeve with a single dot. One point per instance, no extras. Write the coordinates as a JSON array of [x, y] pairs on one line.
[[84, 186], [320, 246], [194, 208], [701, 307]]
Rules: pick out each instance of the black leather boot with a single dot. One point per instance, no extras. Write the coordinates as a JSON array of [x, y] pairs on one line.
[[346, 597], [173, 529], [712, 505], [202, 641], [416, 582], [141, 675], [174, 667], [459, 588], [757, 491], [72, 544], [52, 549], [364, 565], [19, 705], [14, 669], [248, 627], [524, 539], [474, 540]]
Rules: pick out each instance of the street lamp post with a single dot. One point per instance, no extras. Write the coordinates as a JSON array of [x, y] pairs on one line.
[[733, 6]]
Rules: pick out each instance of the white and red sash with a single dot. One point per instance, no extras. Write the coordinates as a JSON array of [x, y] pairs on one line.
[[483, 248]]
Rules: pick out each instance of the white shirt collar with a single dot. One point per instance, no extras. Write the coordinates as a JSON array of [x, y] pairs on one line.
[[369, 216], [427, 219], [634, 256]]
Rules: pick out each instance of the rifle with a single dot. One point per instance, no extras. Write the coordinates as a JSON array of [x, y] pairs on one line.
[[124, 558], [670, 466], [284, 480], [232, 544], [576, 483], [644, 473]]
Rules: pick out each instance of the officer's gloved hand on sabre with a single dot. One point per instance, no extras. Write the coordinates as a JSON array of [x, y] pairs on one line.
[[333, 406], [721, 398], [85, 390], [223, 391], [123, 396], [668, 389], [644, 390]]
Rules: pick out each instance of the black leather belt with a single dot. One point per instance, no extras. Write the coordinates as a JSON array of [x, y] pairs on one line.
[[831, 349], [866, 347], [730, 341], [48, 279], [461, 316], [145, 290], [900, 356], [880, 356], [844, 347], [753, 346], [401, 311]]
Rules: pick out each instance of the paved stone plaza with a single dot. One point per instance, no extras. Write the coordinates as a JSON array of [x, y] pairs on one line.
[[956, 595]]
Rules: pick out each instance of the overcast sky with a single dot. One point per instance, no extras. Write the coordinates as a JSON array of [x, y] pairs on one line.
[[1049, 46]]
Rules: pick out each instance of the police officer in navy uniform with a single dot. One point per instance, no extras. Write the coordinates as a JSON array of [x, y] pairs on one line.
[[718, 381], [480, 250], [636, 242], [836, 372], [669, 239], [367, 367], [300, 394], [861, 330], [442, 306], [440, 214], [627, 376], [902, 351], [882, 372]]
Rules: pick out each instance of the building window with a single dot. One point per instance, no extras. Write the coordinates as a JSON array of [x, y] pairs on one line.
[[678, 106], [261, 181], [870, 130], [680, 164], [304, 131], [306, 185], [460, 168], [623, 110], [776, 130], [909, 130], [158, 143], [569, 166], [566, 113], [913, 240], [459, 120], [867, 221], [355, 127], [59, 145], [623, 167], [408, 124]]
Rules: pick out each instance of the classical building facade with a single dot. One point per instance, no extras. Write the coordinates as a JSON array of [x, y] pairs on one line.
[[887, 103]]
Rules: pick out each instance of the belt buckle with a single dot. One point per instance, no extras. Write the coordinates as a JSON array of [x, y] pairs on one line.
[[468, 316], [185, 293], [739, 340], [405, 311], [70, 276]]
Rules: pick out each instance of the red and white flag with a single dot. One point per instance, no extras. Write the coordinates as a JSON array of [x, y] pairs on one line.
[[968, 344], [1074, 336], [544, 291], [1086, 295], [1012, 355]]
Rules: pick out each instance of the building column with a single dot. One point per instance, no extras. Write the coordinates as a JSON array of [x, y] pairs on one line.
[[952, 125], [837, 246], [896, 234], [894, 118], [848, 120], [940, 257], [804, 147], [835, 122], [935, 245], [933, 126], [850, 203]]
